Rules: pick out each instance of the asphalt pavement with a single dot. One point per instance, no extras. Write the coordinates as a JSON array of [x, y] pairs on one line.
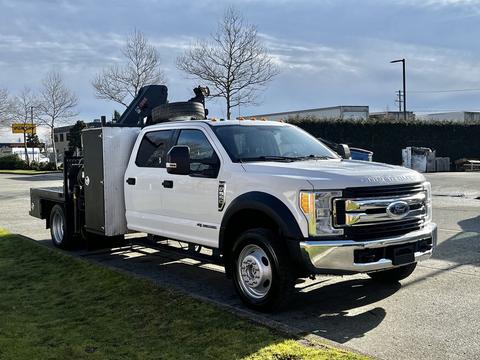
[[434, 314]]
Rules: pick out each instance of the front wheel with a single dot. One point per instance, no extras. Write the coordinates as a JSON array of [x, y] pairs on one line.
[[393, 275], [262, 274]]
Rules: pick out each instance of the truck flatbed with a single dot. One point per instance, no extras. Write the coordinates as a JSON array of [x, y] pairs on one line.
[[39, 195]]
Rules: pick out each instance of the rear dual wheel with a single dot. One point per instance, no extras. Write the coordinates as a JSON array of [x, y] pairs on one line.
[[60, 234]]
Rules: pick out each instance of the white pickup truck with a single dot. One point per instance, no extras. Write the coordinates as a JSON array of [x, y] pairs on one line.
[[271, 201]]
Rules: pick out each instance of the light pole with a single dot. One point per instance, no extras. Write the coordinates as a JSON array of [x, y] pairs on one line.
[[404, 88], [31, 132]]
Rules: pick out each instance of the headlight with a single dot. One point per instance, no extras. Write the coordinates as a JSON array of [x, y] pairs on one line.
[[317, 207], [427, 187]]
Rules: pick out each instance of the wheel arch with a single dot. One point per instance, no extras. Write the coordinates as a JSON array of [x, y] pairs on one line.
[[257, 209]]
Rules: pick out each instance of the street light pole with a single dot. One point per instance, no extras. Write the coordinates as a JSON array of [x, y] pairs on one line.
[[404, 88], [31, 132]]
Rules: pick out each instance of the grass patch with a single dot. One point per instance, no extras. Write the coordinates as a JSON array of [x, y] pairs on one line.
[[27, 172], [54, 306]]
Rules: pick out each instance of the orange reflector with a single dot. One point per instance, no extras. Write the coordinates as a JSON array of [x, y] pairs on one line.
[[306, 202]]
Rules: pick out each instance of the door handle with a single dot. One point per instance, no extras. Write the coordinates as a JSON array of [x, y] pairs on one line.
[[167, 184], [131, 181]]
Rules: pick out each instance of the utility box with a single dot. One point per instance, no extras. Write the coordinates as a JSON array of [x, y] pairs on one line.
[[420, 159], [106, 153]]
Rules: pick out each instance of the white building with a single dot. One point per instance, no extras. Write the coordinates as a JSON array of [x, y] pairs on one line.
[[394, 116], [455, 116], [18, 149], [343, 112]]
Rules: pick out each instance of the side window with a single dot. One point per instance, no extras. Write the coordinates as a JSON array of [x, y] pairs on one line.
[[203, 159], [153, 149]]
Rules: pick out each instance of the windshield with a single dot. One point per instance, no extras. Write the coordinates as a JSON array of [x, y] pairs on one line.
[[270, 143]]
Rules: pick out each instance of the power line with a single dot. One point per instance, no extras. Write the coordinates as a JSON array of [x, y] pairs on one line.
[[443, 91], [444, 110]]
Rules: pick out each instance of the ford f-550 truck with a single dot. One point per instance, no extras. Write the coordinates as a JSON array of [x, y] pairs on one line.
[[272, 202]]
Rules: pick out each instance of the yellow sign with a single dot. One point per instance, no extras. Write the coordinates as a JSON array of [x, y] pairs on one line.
[[21, 128]]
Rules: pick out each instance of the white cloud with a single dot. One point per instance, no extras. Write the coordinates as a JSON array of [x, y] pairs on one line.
[[310, 57], [439, 4]]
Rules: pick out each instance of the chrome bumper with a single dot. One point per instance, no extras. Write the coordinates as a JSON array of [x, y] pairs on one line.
[[337, 256]]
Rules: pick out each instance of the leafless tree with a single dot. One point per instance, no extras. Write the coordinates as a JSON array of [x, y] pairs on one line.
[[5, 107], [233, 62], [25, 108], [122, 82], [57, 104]]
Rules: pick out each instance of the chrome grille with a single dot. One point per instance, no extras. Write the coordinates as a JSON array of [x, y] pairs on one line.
[[403, 210]]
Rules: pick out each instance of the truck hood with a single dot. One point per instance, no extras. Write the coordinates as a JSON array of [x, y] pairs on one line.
[[337, 174]]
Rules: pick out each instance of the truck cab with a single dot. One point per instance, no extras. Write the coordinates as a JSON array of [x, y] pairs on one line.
[[277, 204]]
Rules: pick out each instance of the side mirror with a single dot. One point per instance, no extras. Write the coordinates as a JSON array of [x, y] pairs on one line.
[[178, 160], [344, 151]]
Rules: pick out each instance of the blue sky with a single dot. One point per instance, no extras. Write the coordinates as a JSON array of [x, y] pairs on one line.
[[328, 52]]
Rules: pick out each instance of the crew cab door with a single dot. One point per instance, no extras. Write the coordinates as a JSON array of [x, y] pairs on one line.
[[143, 182], [190, 203]]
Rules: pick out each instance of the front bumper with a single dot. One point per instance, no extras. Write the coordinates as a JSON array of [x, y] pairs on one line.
[[338, 256]]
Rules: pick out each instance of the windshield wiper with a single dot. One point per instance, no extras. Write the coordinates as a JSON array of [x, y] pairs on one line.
[[268, 158], [315, 157]]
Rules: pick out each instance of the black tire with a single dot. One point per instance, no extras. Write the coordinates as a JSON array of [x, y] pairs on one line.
[[60, 234], [393, 275], [165, 112], [277, 292]]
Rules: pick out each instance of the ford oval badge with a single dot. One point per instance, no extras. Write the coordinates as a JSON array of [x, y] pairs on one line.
[[398, 209]]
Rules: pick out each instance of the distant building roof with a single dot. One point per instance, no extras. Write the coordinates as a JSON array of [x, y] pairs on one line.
[[296, 112], [458, 116]]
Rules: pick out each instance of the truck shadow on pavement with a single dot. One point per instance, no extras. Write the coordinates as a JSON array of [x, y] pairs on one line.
[[331, 310], [326, 306], [462, 248]]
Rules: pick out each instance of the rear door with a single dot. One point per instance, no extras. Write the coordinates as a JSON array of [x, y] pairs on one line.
[[144, 176]]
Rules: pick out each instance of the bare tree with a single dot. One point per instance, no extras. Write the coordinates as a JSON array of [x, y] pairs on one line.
[[57, 104], [24, 109], [233, 62], [5, 107], [121, 82]]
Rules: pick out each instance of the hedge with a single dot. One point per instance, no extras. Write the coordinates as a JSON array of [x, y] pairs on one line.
[[12, 162], [387, 139]]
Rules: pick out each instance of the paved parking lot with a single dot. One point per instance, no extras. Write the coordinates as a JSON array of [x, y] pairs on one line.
[[432, 315]]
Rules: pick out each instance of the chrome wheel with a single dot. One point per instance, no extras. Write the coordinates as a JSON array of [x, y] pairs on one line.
[[57, 227], [254, 270]]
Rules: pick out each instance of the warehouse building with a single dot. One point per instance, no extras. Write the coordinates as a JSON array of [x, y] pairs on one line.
[[455, 116], [394, 116], [342, 112]]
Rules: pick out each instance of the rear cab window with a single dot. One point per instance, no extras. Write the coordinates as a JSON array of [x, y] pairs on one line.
[[153, 148]]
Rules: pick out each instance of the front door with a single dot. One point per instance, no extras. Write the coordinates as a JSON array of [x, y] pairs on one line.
[[190, 205]]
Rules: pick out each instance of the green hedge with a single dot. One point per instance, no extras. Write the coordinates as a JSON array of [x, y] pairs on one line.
[[386, 139], [12, 162]]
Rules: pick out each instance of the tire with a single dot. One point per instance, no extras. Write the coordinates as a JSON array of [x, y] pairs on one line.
[[259, 252], [170, 111], [59, 233], [393, 275]]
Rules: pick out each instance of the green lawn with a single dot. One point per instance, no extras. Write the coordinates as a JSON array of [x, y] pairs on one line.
[[54, 306], [26, 172]]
